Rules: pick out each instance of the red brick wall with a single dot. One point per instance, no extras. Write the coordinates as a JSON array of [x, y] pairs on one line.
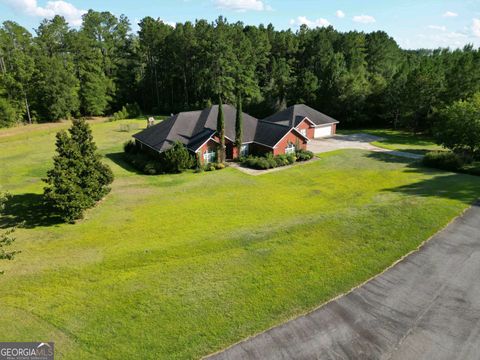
[[290, 137], [308, 126], [334, 129], [209, 144]]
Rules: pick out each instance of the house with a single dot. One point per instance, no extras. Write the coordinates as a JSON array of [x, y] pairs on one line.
[[280, 133], [308, 121]]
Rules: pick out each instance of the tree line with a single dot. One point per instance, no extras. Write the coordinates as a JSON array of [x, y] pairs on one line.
[[361, 79]]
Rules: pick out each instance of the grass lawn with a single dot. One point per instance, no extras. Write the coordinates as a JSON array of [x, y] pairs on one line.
[[178, 266], [399, 140]]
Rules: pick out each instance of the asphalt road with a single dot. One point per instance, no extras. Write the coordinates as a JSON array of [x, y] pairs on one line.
[[425, 307]]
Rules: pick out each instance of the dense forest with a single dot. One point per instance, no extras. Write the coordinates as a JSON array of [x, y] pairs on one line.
[[360, 79]]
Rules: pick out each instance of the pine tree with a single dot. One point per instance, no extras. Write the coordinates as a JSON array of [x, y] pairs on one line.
[[96, 176], [6, 238], [78, 178], [64, 191], [55, 84], [221, 132], [238, 124]]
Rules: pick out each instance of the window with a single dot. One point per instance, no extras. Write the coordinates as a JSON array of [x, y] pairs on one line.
[[209, 155], [244, 150], [290, 149], [303, 132]]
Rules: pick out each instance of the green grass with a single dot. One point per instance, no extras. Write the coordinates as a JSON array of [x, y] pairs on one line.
[[178, 266], [399, 140]]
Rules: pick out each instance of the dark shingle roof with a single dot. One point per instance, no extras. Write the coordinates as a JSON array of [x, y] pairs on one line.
[[294, 114], [193, 128], [269, 134]]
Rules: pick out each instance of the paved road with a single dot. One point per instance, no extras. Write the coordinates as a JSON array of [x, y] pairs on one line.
[[425, 307], [354, 141]]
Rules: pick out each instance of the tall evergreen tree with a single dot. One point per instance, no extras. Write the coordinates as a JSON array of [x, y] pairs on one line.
[[78, 178], [239, 123], [221, 132], [16, 70], [6, 238], [359, 78], [55, 84]]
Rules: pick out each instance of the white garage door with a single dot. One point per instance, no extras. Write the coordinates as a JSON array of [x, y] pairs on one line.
[[322, 131]]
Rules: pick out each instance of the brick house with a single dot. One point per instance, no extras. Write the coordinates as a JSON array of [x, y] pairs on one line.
[[280, 133]]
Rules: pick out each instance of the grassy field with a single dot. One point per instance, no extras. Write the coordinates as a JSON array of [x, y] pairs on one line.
[[178, 266], [400, 140]]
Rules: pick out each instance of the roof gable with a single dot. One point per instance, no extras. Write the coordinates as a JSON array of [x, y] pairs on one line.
[[295, 114]]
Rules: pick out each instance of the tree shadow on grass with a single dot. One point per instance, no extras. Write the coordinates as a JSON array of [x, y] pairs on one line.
[[465, 188], [119, 159], [29, 210], [393, 159], [444, 185]]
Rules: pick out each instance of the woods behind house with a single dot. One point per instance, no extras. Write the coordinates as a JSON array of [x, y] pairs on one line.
[[360, 79]]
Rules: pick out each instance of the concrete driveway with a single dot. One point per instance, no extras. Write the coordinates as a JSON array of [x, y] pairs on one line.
[[353, 141], [427, 306]]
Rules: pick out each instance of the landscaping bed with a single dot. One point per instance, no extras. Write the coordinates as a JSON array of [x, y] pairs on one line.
[[269, 161]]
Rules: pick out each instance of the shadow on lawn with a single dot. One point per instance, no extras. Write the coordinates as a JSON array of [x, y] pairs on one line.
[[395, 159], [28, 209], [465, 188], [118, 159], [446, 185]]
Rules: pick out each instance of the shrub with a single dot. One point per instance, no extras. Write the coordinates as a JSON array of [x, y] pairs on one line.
[[120, 115], [133, 110], [262, 163], [268, 161], [130, 147], [210, 167], [472, 168], [128, 111], [445, 160], [219, 166], [291, 158], [272, 163], [458, 127], [304, 155], [281, 160], [176, 159], [150, 168]]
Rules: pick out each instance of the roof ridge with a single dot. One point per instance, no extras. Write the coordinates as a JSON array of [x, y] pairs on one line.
[[273, 123], [174, 121]]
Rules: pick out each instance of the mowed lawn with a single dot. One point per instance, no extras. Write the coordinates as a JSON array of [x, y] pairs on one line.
[[178, 266], [400, 140]]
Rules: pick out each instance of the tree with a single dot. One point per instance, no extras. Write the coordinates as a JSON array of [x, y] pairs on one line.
[[6, 238], [176, 159], [361, 79], [238, 123], [55, 84], [422, 95], [78, 178], [95, 176], [17, 67], [152, 50], [458, 127], [221, 132]]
